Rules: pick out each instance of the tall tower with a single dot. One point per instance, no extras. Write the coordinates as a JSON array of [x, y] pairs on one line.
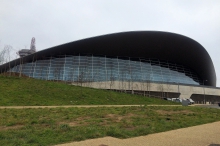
[[32, 47], [25, 52]]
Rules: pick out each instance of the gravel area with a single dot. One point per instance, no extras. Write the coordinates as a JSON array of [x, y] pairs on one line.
[[202, 135]]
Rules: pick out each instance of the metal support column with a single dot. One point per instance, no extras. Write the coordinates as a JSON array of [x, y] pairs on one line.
[[64, 68], [92, 67], [48, 74], [34, 68], [105, 73], [79, 68]]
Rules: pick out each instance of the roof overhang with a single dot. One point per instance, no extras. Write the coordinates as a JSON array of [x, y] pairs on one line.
[[148, 44]]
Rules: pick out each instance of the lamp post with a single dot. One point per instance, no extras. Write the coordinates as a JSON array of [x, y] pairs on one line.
[[204, 89]]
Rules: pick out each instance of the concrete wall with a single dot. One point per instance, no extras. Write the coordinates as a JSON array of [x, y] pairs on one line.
[[185, 91]]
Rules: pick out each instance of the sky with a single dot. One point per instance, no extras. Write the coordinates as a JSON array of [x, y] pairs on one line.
[[55, 22]]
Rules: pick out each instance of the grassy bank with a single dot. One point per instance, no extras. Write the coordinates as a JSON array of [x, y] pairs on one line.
[[27, 91], [61, 125]]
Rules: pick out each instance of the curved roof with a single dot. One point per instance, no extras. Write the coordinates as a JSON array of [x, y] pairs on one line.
[[148, 44]]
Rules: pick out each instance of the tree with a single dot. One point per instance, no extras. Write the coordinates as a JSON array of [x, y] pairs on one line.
[[56, 73], [160, 88], [135, 85], [123, 81], [147, 84], [5, 56], [111, 78], [131, 79], [168, 88], [82, 77], [2, 56]]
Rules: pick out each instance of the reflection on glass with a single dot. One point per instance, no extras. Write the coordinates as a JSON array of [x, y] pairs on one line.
[[92, 68]]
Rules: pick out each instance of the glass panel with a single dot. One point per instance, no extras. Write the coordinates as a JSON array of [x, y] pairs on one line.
[[92, 68]]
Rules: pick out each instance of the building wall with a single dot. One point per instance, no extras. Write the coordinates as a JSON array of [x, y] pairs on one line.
[[185, 91]]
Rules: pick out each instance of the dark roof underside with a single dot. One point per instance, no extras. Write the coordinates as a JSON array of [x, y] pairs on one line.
[[147, 44]]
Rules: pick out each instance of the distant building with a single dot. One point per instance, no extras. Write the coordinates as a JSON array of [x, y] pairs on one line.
[[127, 61], [25, 52]]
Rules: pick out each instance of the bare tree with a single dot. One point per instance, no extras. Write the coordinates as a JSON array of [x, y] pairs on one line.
[[5, 56], [72, 69], [2, 56], [20, 66], [72, 75], [122, 80], [147, 83], [130, 80], [135, 86], [142, 86], [82, 77], [56, 73], [112, 80], [160, 88], [168, 88], [96, 79], [148, 86], [41, 69]]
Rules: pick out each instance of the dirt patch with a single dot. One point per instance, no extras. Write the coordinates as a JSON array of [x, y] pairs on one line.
[[2, 128], [162, 112], [77, 122], [109, 118], [118, 118], [113, 117], [82, 118], [130, 128], [71, 124], [110, 115]]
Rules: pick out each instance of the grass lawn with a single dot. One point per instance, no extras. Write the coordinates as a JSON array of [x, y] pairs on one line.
[[62, 125], [27, 91]]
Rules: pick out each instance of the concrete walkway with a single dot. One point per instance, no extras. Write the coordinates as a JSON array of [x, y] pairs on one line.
[[202, 135]]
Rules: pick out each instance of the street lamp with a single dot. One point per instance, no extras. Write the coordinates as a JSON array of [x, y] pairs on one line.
[[204, 89]]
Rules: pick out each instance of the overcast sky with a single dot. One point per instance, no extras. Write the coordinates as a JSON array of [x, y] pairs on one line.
[[55, 22]]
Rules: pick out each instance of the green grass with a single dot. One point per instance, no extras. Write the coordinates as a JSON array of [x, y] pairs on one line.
[[15, 91], [61, 125]]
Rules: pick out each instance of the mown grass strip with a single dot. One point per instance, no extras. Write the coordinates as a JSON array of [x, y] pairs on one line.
[[61, 125]]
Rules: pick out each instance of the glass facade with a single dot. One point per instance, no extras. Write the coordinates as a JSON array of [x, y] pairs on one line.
[[101, 68]]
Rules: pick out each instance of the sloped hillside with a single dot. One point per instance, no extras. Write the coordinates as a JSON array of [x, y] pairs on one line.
[[28, 91]]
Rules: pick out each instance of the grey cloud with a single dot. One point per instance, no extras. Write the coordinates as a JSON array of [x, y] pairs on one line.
[[54, 22]]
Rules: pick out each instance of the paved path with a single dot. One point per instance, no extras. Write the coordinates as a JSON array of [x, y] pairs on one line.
[[209, 105], [85, 106], [202, 135]]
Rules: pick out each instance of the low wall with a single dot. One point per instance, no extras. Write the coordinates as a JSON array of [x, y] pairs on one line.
[[183, 91]]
